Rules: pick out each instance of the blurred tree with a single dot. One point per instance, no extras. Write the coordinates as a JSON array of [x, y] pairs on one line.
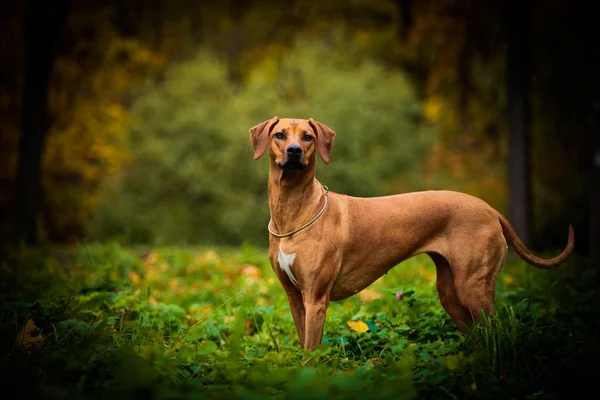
[[81, 78], [43, 23], [519, 114], [92, 83], [192, 179], [453, 50], [594, 180], [562, 71], [12, 51]]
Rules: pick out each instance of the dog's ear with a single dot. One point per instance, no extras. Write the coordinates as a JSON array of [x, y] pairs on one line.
[[325, 138], [259, 136]]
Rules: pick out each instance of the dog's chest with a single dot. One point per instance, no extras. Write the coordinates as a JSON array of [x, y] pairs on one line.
[[285, 263]]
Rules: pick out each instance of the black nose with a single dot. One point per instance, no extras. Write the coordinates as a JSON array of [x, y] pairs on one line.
[[294, 150]]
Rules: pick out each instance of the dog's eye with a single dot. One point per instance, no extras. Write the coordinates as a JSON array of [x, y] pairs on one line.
[[308, 138], [279, 135]]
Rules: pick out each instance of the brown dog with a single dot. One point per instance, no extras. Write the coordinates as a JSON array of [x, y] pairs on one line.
[[327, 246]]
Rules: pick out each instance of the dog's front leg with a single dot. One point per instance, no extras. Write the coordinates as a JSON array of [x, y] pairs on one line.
[[298, 312], [316, 308], [316, 292]]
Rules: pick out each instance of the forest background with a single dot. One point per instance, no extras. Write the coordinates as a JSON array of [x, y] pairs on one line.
[[128, 120]]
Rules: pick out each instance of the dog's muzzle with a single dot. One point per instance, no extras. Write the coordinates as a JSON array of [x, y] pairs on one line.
[[294, 158]]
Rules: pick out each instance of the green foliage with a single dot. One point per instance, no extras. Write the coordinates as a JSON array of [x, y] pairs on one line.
[[194, 179], [204, 323]]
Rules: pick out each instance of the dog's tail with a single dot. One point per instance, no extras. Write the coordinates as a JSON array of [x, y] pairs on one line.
[[528, 256]]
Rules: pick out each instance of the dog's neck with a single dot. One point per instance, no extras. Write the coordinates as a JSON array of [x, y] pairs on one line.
[[294, 197]]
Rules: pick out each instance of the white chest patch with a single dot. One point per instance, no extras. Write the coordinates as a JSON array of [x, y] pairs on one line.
[[285, 263]]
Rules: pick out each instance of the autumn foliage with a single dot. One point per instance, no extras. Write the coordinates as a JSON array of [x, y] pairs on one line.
[[111, 58]]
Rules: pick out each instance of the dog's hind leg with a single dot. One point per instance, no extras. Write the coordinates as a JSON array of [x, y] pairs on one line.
[[475, 277], [447, 292]]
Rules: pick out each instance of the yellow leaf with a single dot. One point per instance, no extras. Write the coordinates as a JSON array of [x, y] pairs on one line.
[[134, 277], [432, 108], [26, 340], [358, 326]]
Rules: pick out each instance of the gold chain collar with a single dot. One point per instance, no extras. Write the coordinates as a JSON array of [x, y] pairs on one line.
[[306, 225]]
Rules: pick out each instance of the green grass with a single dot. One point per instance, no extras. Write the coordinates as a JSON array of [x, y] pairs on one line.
[[174, 323]]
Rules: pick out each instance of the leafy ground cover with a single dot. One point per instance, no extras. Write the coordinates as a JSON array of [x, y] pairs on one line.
[[102, 321]]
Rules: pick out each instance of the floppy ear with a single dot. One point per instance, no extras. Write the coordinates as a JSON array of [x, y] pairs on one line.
[[325, 138], [259, 136]]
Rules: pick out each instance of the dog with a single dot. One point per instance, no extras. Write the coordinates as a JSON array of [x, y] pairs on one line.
[[325, 246]]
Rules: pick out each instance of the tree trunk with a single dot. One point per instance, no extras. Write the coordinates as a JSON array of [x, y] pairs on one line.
[[43, 20], [464, 75], [406, 17], [593, 64], [594, 241], [519, 115]]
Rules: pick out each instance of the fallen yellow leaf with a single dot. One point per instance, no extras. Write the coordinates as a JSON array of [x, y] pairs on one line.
[[26, 340], [358, 326]]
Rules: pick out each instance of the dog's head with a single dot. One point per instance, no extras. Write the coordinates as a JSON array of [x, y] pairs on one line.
[[293, 142]]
